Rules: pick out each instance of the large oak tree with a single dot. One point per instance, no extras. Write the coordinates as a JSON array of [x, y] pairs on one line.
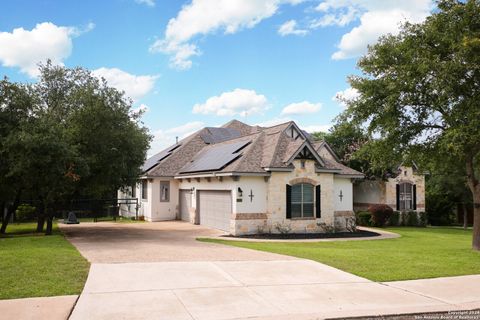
[[420, 89]]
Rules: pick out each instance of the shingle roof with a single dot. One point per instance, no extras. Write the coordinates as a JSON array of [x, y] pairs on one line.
[[262, 148]]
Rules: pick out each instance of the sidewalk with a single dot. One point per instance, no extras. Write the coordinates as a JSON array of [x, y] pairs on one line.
[[43, 308]]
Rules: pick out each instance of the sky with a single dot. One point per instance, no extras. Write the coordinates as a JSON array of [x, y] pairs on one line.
[[195, 63]]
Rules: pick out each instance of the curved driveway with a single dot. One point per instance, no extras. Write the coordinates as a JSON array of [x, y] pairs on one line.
[[159, 271]]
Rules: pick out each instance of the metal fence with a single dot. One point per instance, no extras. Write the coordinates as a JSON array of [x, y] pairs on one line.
[[84, 209]]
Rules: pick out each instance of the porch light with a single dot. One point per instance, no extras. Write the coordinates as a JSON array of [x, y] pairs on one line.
[[240, 192], [192, 190]]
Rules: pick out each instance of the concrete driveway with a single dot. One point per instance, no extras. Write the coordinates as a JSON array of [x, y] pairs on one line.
[[159, 271], [109, 242]]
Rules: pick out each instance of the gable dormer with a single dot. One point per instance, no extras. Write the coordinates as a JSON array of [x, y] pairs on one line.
[[294, 132], [305, 152]]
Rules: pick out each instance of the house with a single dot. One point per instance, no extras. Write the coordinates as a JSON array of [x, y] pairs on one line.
[[404, 192], [246, 179]]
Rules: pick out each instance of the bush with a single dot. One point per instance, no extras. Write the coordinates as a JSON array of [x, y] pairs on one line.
[[380, 214], [364, 218], [394, 219], [25, 212], [411, 219], [422, 219]]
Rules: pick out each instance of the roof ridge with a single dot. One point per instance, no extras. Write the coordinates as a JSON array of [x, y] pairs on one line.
[[280, 124], [249, 149]]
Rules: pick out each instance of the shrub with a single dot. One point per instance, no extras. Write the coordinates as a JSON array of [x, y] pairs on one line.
[[364, 218], [422, 219], [283, 227], [380, 214], [411, 219], [394, 219], [25, 212]]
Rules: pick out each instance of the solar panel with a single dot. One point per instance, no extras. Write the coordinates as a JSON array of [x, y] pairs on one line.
[[153, 160], [217, 135], [215, 157]]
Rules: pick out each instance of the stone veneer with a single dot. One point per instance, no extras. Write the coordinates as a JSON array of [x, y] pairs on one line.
[[276, 203]]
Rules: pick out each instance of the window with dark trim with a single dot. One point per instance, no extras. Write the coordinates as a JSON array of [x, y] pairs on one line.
[[405, 196], [302, 200], [145, 189], [134, 190], [164, 191]]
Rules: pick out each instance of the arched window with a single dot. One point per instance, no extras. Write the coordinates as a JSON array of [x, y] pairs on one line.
[[405, 196], [302, 200]]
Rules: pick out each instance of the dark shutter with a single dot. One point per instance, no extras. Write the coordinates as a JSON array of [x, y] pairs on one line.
[[289, 201], [398, 197], [414, 197], [318, 210]]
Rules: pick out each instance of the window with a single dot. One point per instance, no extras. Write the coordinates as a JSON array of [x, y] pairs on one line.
[[302, 200], [405, 196], [134, 190], [164, 191], [145, 189]]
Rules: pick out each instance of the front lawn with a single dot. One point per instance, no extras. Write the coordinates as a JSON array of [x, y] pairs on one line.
[[34, 265], [419, 253]]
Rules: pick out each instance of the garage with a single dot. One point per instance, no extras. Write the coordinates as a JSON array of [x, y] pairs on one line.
[[215, 209], [185, 204]]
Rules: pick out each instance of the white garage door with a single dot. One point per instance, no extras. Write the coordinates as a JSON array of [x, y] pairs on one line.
[[215, 209], [185, 204]]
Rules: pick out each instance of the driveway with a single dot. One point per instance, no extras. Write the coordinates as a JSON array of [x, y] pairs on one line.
[[109, 242], [159, 271]]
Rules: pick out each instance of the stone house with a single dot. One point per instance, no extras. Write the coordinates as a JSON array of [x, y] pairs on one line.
[[404, 192], [246, 179]]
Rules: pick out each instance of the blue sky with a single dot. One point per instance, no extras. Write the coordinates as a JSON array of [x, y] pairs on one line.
[[197, 63]]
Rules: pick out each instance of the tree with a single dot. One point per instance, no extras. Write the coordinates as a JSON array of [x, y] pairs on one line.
[[74, 137], [421, 90], [15, 107]]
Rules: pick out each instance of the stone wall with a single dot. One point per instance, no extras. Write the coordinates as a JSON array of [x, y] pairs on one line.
[[276, 194]]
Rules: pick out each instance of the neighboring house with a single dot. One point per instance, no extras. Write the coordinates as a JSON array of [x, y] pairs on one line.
[[405, 192], [248, 179]]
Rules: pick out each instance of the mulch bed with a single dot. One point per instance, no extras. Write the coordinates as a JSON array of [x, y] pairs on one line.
[[335, 235]]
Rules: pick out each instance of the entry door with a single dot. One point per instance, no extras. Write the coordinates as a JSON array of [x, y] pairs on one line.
[[185, 204], [215, 209]]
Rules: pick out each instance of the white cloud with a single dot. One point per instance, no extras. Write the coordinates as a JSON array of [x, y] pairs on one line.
[[290, 27], [273, 122], [26, 48], [143, 108], [376, 18], [165, 138], [346, 95], [134, 86], [303, 107], [202, 17], [237, 102], [317, 128], [150, 3]]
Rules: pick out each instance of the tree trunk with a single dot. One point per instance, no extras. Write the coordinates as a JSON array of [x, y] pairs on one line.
[[11, 209], [41, 217], [474, 185], [48, 229], [476, 220], [2, 210], [49, 218], [465, 216]]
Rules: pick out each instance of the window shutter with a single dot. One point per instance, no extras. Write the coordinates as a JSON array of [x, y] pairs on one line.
[[318, 210], [414, 197], [398, 197], [289, 201]]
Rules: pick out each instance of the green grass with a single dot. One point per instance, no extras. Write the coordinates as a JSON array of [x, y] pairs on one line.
[[419, 253], [34, 265]]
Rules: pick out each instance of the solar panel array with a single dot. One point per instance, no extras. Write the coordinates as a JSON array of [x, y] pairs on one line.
[[153, 160], [217, 135], [215, 157]]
